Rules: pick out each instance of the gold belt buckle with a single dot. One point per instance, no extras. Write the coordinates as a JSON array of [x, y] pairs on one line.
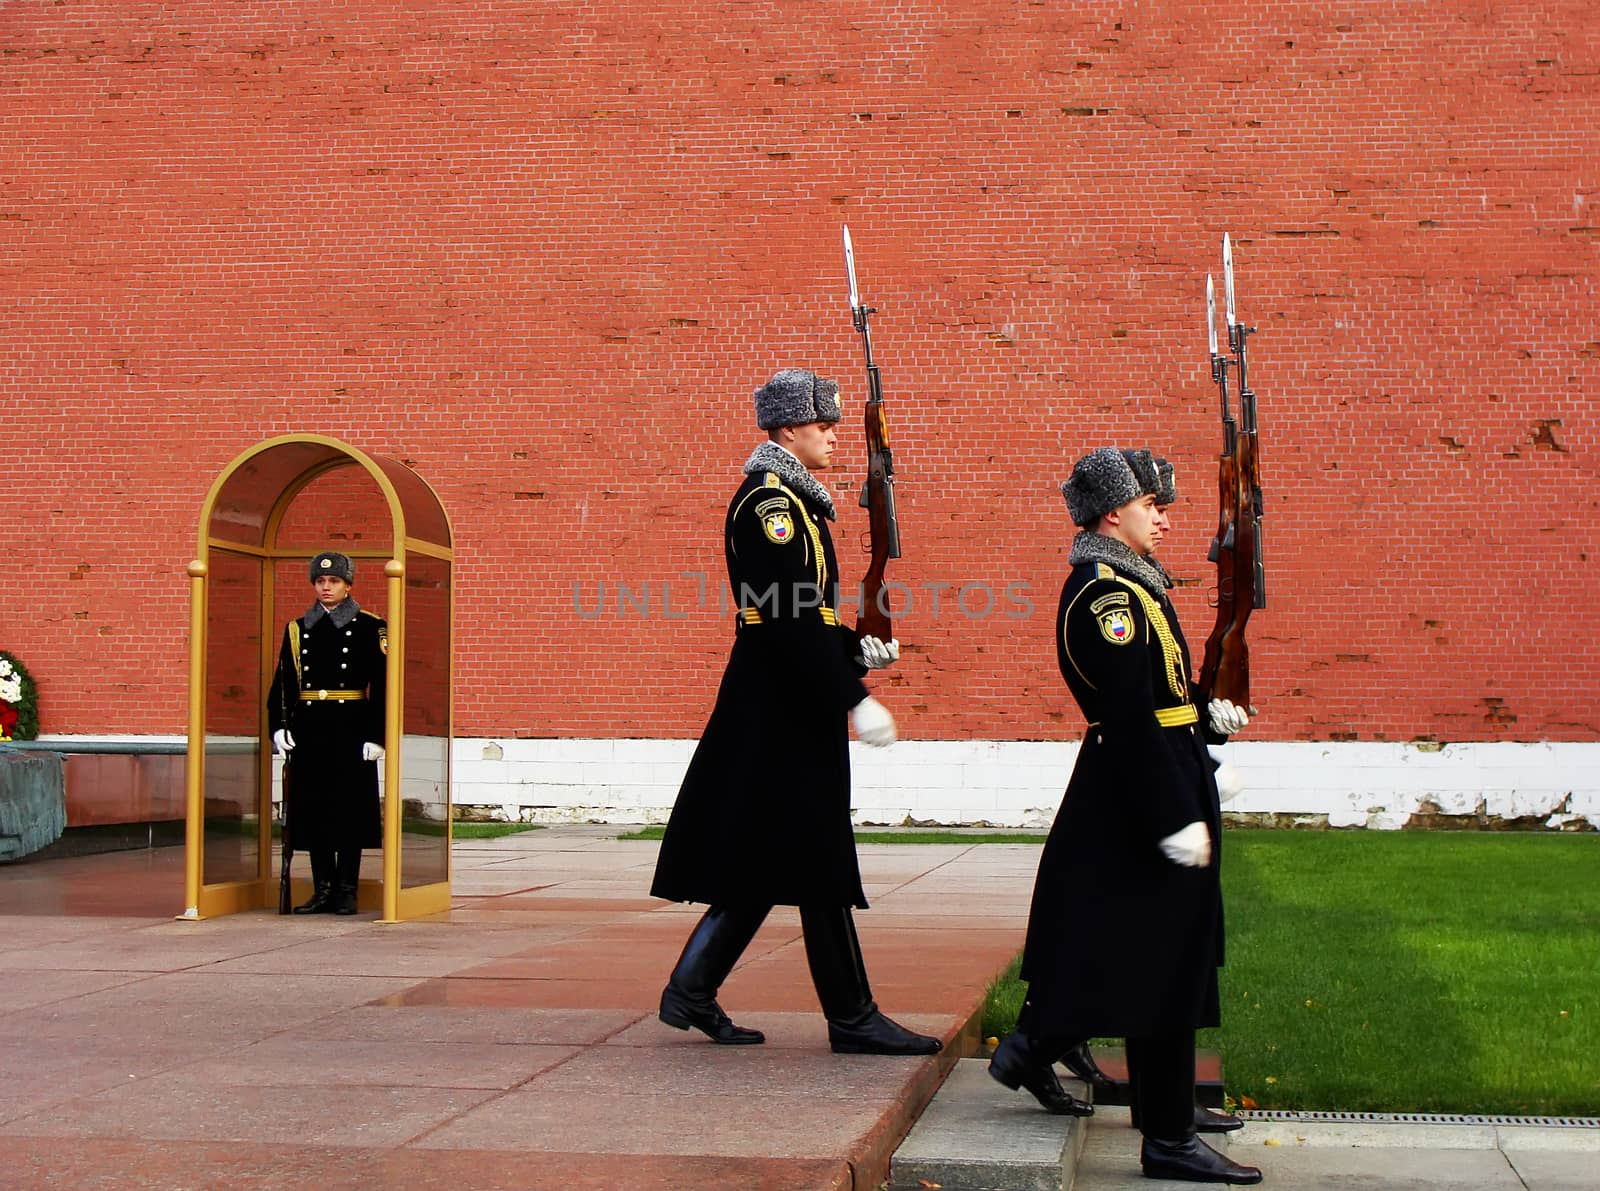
[[322, 694]]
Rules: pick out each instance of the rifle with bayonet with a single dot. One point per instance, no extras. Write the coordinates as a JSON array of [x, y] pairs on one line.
[[1236, 549], [877, 491], [286, 840]]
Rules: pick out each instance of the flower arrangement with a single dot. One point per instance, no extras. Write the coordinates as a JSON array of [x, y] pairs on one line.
[[19, 700]]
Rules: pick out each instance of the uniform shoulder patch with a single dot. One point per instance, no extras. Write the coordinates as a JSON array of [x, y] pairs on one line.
[[777, 521], [1104, 571], [383, 639], [1116, 625]]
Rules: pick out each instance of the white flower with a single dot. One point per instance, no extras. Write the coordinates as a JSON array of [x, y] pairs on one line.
[[11, 690], [5, 668]]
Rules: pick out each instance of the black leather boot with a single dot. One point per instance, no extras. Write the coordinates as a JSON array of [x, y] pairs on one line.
[[856, 1026], [1192, 1161], [346, 879], [1080, 1061], [1016, 1064], [1206, 1120], [715, 945], [321, 899]]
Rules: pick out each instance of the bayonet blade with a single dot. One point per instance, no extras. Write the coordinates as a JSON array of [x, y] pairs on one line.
[[1211, 314], [850, 267], [1227, 275]]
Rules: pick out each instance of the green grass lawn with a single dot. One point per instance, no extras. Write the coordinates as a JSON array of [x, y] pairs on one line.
[[464, 830], [1406, 972], [900, 837]]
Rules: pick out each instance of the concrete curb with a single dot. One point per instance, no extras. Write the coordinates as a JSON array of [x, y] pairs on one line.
[[977, 1136]]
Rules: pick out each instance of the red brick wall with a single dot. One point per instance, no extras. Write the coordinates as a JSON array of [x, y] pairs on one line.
[[545, 252]]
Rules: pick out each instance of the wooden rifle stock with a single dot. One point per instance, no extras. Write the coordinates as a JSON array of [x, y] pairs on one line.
[[877, 495], [1222, 547]]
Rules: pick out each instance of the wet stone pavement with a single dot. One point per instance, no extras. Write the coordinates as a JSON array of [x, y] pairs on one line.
[[509, 1042]]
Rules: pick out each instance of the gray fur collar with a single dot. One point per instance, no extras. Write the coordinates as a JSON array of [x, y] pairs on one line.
[[341, 615], [769, 456], [1089, 546]]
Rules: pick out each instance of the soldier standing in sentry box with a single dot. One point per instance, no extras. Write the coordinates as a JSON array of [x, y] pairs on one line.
[[1125, 934], [326, 715], [763, 816]]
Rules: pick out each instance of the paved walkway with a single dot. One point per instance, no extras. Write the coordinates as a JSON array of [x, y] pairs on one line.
[[511, 1042]]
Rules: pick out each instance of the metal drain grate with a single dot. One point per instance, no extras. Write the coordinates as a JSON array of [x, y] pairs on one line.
[[1417, 1118]]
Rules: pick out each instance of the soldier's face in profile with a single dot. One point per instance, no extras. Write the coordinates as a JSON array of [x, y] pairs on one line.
[[331, 590], [1139, 524], [813, 444]]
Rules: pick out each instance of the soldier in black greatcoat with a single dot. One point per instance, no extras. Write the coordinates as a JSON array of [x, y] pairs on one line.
[[326, 715], [1125, 934], [763, 816]]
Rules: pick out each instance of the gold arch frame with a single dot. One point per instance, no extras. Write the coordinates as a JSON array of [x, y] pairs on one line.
[[309, 456]]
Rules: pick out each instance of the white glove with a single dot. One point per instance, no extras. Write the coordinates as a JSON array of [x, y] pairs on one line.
[[282, 742], [371, 752], [877, 655], [1229, 783], [873, 723], [1190, 847], [1226, 718]]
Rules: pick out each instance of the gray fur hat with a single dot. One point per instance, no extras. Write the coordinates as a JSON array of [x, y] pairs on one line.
[[1101, 481], [1146, 470], [796, 397], [1167, 490], [330, 562], [1154, 475]]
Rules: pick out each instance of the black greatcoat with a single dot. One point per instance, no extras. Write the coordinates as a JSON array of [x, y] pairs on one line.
[[333, 793], [1122, 941], [763, 816]]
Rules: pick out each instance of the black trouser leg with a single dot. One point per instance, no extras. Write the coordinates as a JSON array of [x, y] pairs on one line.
[[838, 971], [346, 878], [1205, 1120], [714, 946], [1161, 1083], [839, 974], [322, 870]]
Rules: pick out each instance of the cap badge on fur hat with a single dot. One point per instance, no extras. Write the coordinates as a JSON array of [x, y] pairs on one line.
[[331, 562]]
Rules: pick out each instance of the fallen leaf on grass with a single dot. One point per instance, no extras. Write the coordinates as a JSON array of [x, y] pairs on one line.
[[931, 1186], [1248, 1102]]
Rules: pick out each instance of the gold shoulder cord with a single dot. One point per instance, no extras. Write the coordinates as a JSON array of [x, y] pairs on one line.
[[820, 562], [1169, 644], [294, 648]]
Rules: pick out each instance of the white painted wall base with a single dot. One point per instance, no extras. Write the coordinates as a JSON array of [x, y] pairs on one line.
[[1019, 783]]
